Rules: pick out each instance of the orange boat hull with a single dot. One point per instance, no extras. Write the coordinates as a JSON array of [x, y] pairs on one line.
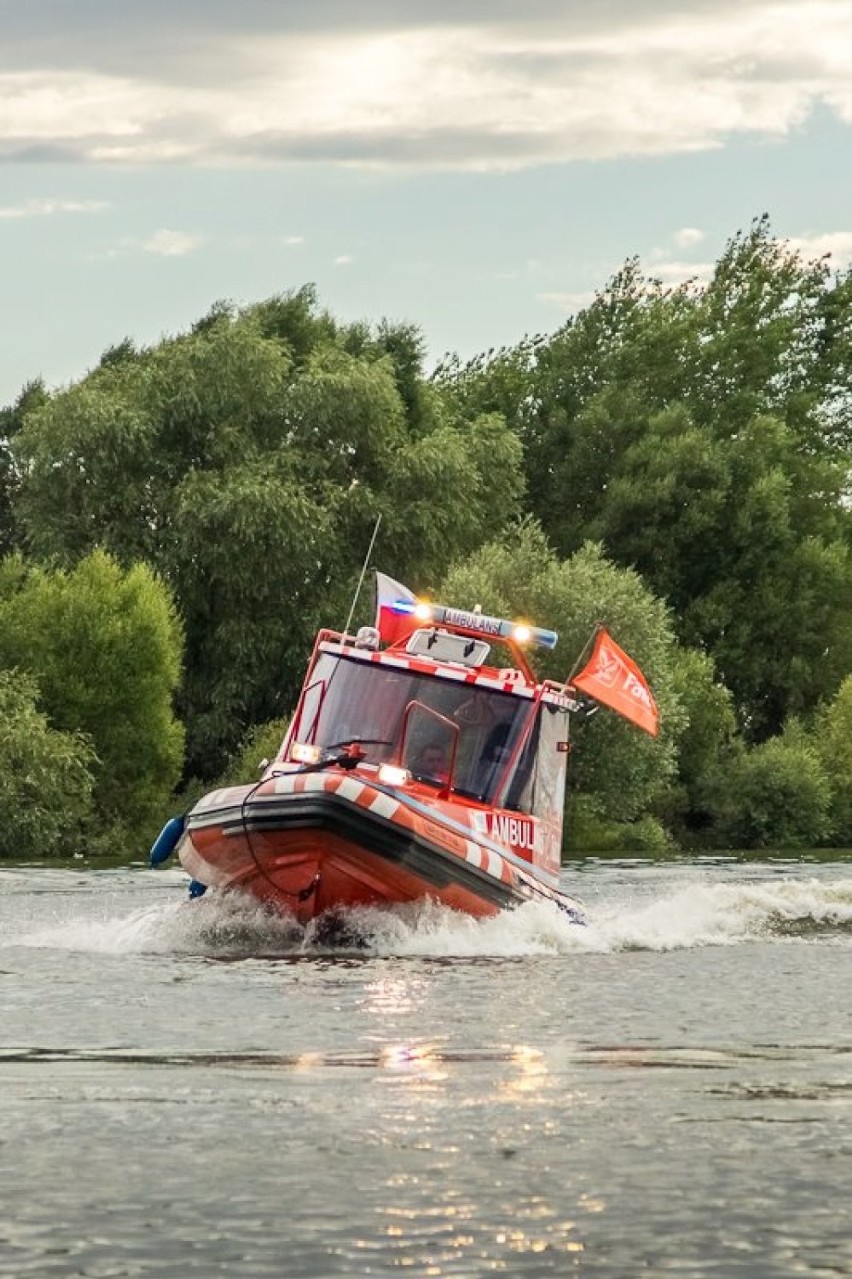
[[342, 844]]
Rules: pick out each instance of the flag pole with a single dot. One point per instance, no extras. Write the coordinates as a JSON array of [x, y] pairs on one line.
[[598, 627]]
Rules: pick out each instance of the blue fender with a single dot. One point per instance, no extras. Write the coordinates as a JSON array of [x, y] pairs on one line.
[[167, 840]]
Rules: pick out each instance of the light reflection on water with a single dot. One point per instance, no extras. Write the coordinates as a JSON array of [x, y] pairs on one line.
[[205, 1093]]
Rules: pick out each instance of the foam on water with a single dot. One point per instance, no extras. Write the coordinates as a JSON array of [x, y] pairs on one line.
[[727, 914], [700, 914]]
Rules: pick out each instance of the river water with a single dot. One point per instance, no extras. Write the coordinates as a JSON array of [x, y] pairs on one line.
[[194, 1089]]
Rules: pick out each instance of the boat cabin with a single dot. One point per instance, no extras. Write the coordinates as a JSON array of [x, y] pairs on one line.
[[429, 715]]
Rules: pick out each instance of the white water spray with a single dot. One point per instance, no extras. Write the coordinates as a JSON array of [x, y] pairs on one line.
[[700, 914]]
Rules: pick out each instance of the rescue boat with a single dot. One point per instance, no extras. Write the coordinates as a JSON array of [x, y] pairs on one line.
[[413, 768]]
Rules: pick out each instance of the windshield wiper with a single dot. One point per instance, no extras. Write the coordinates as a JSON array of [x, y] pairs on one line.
[[358, 741]]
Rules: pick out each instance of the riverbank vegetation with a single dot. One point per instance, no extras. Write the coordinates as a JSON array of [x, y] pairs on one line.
[[673, 462]]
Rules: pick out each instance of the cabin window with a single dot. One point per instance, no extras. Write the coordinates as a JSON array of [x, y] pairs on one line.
[[398, 714], [538, 785]]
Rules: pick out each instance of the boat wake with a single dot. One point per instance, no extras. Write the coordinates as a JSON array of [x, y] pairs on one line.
[[704, 914]]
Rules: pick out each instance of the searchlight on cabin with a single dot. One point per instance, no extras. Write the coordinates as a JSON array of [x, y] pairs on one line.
[[392, 775]]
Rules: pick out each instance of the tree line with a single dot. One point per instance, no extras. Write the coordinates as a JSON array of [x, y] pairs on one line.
[[673, 462]]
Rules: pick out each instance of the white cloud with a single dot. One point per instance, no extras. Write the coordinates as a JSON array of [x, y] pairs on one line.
[[568, 303], [293, 241], [45, 208], [345, 259], [661, 264], [673, 271], [635, 79], [669, 271], [171, 244], [836, 243], [688, 236]]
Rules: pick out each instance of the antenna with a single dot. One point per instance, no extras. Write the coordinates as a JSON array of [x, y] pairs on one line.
[[363, 573]]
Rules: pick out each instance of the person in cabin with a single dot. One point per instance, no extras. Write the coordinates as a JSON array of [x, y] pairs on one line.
[[432, 763]]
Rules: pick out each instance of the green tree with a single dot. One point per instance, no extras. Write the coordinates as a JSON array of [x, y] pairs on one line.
[[705, 746], [45, 777], [247, 462], [260, 743], [701, 435], [764, 344], [832, 740], [105, 647], [775, 795], [251, 572], [11, 421], [102, 458], [446, 493], [753, 562]]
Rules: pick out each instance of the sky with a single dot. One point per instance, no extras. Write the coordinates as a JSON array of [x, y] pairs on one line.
[[476, 167]]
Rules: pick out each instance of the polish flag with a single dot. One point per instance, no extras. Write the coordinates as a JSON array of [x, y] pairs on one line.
[[395, 605], [614, 679]]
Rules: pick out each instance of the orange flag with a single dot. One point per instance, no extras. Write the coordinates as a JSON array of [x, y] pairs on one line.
[[614, 679]]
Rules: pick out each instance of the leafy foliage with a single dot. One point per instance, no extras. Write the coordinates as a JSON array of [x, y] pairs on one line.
[[832, 740], [775, 795], [247, 462], [11, 421], [704, 749], [104, 646], [45, 777], [673, 462], [702, 436], [260, 743]]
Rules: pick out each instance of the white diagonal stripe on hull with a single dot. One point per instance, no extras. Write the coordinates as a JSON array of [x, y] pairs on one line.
[[473, 852], [495, 864], [384, 806], [315, 782], [349, 788]]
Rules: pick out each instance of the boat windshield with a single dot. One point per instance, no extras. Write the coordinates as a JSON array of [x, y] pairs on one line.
[[444, 731]]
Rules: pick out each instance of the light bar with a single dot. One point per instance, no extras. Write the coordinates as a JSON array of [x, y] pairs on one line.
[[303, 753], [483, 624]]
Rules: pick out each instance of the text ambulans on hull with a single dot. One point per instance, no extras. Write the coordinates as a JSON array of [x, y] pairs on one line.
[[412, 769]]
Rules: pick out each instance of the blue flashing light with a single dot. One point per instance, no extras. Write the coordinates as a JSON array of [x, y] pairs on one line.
[[544, 639]]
